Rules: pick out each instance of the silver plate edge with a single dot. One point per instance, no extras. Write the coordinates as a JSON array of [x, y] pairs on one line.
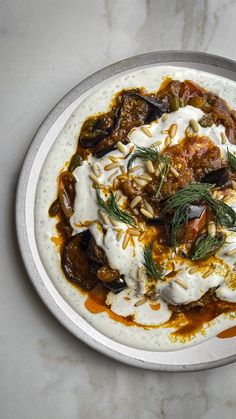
[[20, 207]]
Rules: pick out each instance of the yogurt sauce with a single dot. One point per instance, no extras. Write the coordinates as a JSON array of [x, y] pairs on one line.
[[64, 146], [128, 260]]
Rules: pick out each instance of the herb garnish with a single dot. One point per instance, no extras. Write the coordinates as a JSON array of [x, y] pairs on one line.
[[111, 208], [151, 153], [224, 214], [206, 246], [231, 160], [151, 267]]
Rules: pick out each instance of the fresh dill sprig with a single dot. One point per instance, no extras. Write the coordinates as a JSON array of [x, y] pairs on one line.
[[111, 208], [151, 153], [231, 160], [207, 246], [151, 267], [224, 214]]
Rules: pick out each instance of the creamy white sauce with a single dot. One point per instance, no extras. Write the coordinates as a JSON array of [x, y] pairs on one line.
[[63, 148]]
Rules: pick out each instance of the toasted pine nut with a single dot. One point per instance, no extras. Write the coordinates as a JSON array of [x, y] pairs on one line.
[[231, 252], [122, 177], [164, 117], [174, 171], [157, 143], [125, 241], [194, 125], [211, 228], [112, 166], [168, 141], [142, 227], [104, 217], [121, 147], [159, 168], [116, 183], [119, 234], [134, 169], [94, 178], [135, 201], [223, 138], [150, 166], [113, 222], [140, 273], [146, 213], [140, 302], [113, 159], [192, 270], [145, 177], [133, 232], [139, 182], [146, 131], [208, 273], [122, 169], [172, 130], [188, 132], [96, 169], [148, 207], [181, 284], [141, 237]]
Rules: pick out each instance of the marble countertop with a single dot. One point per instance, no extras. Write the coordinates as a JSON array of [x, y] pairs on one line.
[[46, 47]]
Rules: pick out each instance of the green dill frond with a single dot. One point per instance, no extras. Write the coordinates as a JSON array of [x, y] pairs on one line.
[[207, 246], [231, 160], [152, 270], [111, 208]]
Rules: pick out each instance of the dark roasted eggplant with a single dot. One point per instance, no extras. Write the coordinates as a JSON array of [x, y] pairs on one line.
[[116, 286], [194, 211], [158, 106], [217, 177], [76, 264], [66, 190]]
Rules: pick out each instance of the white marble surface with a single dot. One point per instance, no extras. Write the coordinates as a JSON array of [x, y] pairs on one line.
[[46, 47]]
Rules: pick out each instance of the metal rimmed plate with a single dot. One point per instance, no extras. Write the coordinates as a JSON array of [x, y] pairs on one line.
[[212, 353]]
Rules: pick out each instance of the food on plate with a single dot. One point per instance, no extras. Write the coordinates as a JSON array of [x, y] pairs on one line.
[[146, 209]]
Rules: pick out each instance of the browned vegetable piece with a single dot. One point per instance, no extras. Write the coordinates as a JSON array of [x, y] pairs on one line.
[[75, 263], [54, 208], [217, 177], [66, 188], [107, 274], [96, 253], [75, 162]]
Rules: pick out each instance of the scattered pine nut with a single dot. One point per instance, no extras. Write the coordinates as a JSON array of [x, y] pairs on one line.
[[145, 177], [122, 177], [141, 237], [113, 159], [159, 168], [168, 141], [157, 143], [142, 227], [125, 241], [188, 132], [134, 169], [130, 151], [192, 270], [116, 183], [211, 228], [133, 232], [194, 125], [94, 178], [150, 166], [164, 117], [174, 171], [119, 234], [172, 130], [112, 166], [122, 169], [139, 182], [140, 302], [96, 169], [231, 252], [121, 147], [146, 131], [146, 213], [223, 138], [208, 273], [181, 284], [104, 217], [113, 222], [148, 207], [135, 201]]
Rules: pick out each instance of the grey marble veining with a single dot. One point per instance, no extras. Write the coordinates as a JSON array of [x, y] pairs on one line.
[[46, 47]]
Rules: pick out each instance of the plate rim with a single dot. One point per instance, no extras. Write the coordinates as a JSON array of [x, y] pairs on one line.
[[158, 57]]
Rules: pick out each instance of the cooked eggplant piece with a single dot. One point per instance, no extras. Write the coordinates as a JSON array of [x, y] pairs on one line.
[[194, 211], [94, 131], [54, 208], [217, 177], [66, 188], [75, 162], [159, 107], [75, 263], [96, 253], [103, 149], [116, 286]]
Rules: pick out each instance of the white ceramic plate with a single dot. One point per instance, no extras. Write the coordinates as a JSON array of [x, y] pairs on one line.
[[58, 295]]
